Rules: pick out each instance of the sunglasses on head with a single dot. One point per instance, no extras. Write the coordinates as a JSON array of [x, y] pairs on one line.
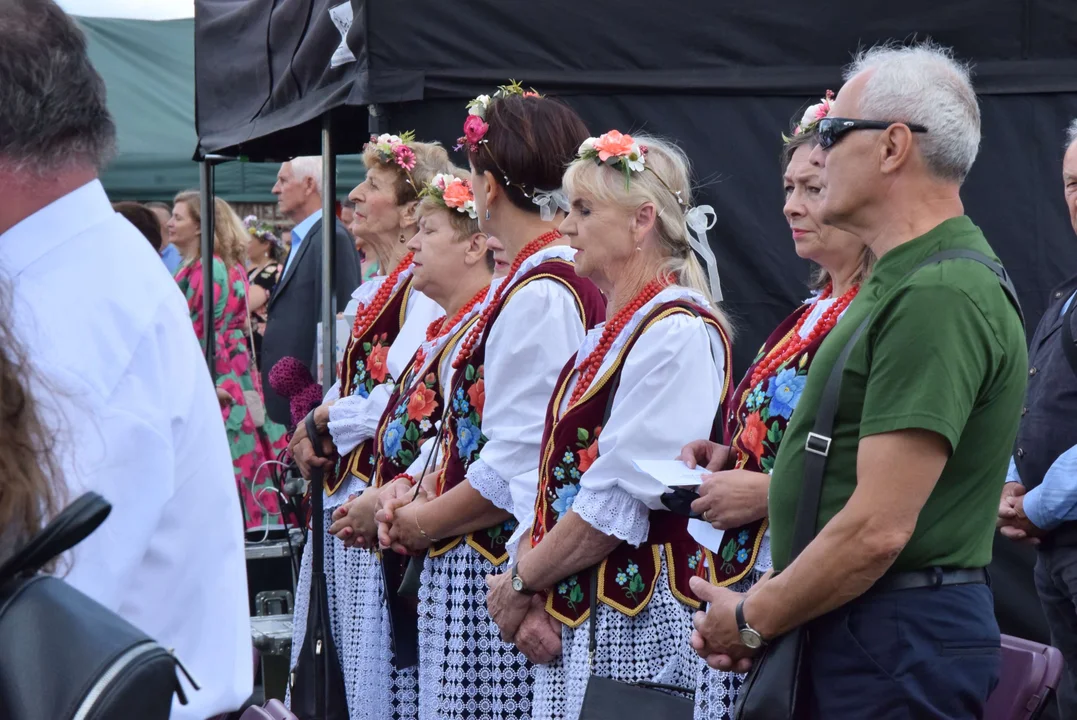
[[831, 129]]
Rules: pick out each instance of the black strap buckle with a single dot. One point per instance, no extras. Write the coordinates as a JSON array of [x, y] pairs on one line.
[[818, 444]]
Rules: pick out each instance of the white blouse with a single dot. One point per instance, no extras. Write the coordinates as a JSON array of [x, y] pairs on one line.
[[354, 419], [670, 389], [529, 343]]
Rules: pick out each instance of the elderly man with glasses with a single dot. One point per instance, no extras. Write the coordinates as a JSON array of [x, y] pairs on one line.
[[922, 384]]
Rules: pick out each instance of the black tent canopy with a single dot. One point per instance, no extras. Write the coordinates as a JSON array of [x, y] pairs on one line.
[[722, 79]]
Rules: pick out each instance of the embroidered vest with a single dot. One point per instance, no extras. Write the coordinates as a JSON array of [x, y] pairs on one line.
[[414, 407], [463, 437], [628, 576], [365, 367]]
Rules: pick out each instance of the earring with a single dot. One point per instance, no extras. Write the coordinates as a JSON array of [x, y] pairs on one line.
[[487, 213], [402, 237]]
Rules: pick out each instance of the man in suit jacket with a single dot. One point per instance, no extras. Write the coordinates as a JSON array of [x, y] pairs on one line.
[[295, 305]]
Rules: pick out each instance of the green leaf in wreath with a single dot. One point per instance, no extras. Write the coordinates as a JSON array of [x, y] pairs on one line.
[[575, 595], [469, 373], [582, 435], [412, 433], [729, 550], [635, 585]]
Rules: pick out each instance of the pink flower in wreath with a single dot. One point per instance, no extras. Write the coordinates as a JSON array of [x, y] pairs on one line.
[[613, 144], [405, 157], [475, 129]]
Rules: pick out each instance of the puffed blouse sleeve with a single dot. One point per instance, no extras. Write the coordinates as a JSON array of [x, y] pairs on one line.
[[670, 389]]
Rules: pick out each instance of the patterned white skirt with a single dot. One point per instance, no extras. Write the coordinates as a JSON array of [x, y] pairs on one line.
[[652, 646], [466, 672], [360, 624]]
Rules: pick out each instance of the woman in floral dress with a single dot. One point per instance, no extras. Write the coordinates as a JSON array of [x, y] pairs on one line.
[[760, 408], [252, 436]]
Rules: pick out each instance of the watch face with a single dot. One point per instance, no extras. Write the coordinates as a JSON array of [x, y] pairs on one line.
[[517, 584], [751, 639]]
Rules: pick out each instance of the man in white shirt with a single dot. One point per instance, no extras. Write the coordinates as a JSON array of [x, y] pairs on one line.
[[120, 376]]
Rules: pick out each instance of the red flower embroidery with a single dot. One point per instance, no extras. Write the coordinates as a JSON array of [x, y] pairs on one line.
[[376, 363], [589, 454], [752, 436], [421, 404], [477, 395]]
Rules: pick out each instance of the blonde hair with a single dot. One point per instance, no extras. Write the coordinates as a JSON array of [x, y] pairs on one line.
[[430, 159], [229, 235], [463, 224], [666, 178]]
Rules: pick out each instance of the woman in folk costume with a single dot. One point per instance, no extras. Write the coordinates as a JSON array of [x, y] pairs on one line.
[[518, 145], [766, 398], [659, 368], [390, 323]]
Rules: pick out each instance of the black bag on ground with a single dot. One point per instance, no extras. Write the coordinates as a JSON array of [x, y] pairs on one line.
[[65, 656]]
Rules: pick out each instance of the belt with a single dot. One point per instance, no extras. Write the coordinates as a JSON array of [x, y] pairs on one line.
[[931, 577]]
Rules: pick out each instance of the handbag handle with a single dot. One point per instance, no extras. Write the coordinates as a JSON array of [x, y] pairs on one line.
[[66, 530]]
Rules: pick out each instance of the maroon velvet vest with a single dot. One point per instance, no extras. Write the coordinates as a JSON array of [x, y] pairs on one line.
[[365, 367], [414, 407], [628, 576], [463, 437]]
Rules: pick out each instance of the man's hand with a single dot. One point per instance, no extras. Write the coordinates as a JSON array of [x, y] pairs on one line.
[[224, 399], [716, 638], [507, 607], [1013, 523], [711, 456], [732, 498], [539, 636], [353, 522]]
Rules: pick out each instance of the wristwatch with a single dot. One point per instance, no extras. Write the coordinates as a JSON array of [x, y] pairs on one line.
[[748, 636], [518, 582]]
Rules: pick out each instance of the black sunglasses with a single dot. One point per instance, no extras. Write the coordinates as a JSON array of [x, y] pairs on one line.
[[831, 129]]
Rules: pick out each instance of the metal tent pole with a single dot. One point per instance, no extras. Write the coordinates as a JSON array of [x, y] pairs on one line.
[[207, 194], [329, 232]]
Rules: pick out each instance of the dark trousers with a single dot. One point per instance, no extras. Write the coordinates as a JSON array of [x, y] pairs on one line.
[[921, 653], [1056, 583]]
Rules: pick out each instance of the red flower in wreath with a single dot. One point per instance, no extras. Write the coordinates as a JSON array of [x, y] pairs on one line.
[[589, 454], [421, 404], [377, 362], [477, 395], [752, 435]]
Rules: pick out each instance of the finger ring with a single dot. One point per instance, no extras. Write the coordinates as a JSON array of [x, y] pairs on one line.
[[705, 518]]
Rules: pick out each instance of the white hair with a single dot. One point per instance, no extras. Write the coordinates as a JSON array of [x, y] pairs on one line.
[[1071, 134], [924, 84], [308, 167]]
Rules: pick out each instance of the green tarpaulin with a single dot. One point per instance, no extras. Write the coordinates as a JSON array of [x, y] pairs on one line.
[[148, 67]]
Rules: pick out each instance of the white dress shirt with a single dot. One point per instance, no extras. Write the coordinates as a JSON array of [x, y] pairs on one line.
[[124, 387]]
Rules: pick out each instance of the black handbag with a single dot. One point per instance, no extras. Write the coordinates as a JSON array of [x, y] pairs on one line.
[[775, 687], [609, 699], [65, 656], [317, 682]]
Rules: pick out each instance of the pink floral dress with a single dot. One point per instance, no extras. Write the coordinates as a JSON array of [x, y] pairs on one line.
[[251, 445]]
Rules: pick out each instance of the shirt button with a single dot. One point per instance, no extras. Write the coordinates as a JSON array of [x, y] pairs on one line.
[[1020, 453], [1058, 294], [1032, 372], [1024, 411]]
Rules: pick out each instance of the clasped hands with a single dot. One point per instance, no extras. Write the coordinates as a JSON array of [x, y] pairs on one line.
[[1013, 523], [523, 620]]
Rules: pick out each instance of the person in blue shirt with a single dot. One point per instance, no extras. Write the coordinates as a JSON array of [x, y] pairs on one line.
[[170, 256], [1039, 500]]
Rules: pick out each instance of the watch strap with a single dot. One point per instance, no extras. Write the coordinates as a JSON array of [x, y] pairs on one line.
[[739, 612]]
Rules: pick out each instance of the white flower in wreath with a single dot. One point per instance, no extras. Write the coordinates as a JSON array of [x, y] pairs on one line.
[[478, 106], [588, 146], [469, 208], [635, 159]]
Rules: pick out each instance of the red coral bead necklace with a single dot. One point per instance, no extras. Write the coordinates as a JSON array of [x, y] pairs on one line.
[[365, 315], [439, 327]]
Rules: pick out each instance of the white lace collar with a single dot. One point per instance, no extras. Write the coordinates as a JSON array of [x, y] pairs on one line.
[[670, 294]]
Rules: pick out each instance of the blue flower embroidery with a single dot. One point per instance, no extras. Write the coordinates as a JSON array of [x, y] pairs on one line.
[[559, 472], [633, 568], [459, 402], [742, 555], [467, 437], [568, 459], [565, 497], [562, 589], [393, 435], [756, 397], [742, 538], [621, 578], [693, 561], [784, 392], [574, 473]]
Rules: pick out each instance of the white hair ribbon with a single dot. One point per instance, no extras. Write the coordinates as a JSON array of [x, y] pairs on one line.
[[549, 202], [699, 220]]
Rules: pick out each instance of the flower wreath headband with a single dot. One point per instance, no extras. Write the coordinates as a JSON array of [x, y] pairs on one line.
[[475, 129], [396, 150], [260, 230], [623, 153], [811, 117], [452, 193]]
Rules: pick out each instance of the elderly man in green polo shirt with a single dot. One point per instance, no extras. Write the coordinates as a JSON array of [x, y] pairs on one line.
[[892, 586]]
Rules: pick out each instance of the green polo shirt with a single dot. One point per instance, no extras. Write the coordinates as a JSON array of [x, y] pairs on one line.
[[945, 352]]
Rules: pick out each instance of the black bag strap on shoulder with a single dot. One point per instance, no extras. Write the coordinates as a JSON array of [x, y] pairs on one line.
[[1069, 346], [66, 530], [1000, 272]]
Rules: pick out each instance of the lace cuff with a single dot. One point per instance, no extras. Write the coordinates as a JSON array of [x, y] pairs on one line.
[[333, 393], [490, 485], [354, 419], [615, 512], [763, 561]]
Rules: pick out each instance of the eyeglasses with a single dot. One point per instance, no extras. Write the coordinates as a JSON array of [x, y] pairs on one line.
[[831, 129]]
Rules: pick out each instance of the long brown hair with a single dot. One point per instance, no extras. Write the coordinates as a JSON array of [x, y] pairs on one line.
[[229, 235], [29, 494]]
